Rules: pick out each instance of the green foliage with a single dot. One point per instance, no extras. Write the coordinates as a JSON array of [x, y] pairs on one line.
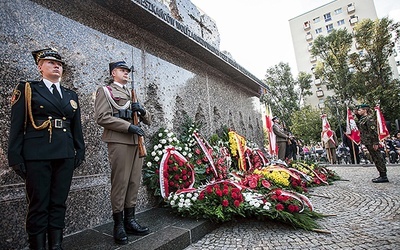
[[307, 124], [282, 97], [374, 83], [333, 67]]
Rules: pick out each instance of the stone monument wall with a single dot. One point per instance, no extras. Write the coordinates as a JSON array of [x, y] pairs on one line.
[[169, 81]]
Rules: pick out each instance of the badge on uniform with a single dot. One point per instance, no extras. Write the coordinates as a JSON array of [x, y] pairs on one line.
[[73, 104], [15, 97]]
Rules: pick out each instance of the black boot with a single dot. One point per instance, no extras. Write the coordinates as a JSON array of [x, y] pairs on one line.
[[55, 237], [382, 178], [120, 236], [131, 225], [37, 242]]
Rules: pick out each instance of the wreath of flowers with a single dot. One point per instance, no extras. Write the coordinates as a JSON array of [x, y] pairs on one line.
[[216, 182]]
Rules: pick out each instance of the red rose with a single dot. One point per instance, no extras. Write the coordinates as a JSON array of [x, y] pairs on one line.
[[253, 183], [184, 171], [171, 183], [225, 203], [236, 203], [278, 192], [234, 195], [175, 168], [184, 177], [293, 208], [157, 171], [201, 196], [218, 192], [209, 190], [266, 183], [283, 198], [197, 151], [225, 191], [176, 177], [279, 207]]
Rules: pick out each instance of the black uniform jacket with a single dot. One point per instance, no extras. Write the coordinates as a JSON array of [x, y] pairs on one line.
[[32, 144]]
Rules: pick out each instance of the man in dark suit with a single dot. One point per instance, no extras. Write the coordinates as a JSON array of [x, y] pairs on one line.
[[113, 111], [45, 146]]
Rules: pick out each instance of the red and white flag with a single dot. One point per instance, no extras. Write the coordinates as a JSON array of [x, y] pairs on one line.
[[327, 133], [271, 135], [381, 123], [352, 131]]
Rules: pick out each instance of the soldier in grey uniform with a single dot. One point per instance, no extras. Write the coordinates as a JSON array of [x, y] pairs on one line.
[[113, 111], [370, 138], [282, 137]]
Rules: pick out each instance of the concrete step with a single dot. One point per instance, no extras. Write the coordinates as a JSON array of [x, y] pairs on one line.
[[168, 231]]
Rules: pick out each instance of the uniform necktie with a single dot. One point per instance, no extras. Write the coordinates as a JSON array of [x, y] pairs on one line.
[[56, 93]]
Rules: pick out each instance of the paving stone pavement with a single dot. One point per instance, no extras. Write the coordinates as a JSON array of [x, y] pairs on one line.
[[366, 216]]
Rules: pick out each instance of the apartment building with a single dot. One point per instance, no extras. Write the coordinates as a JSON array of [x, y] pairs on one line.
[[305, 28]]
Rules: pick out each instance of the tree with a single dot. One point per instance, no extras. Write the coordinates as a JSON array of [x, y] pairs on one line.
[[333, 67], [282, 96], [307, 125], [373, 76], [304, 81]]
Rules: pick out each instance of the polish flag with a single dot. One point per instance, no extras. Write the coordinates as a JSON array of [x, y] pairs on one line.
[[382, 129], [327, 133], [271, 135], [352, 131]]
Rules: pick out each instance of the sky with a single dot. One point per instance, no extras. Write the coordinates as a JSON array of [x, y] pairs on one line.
[[257, 32]]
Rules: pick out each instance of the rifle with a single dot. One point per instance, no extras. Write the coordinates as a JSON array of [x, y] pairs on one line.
[[142, 147]]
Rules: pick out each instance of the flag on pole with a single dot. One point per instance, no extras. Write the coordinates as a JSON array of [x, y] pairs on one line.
[[381, 123], [271, 135], [352, 131], [327, 133]]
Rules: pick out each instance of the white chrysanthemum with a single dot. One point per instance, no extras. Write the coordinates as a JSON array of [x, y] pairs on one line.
[[170, 134], [160, 135], [188, 201], [190, 155], [159, 146], [153, 153], [181, 196], [176, 196], [163, 141], [156, 158], [257, 204], [169, 140], [166, 130], [267, 206], [180, 204], [196, 194], [179, 148], [172, 202], [189, 195], [182, 200], [194, 198], [159, 152], [184, 153], [155, 147], [148, 164], [175, 139]]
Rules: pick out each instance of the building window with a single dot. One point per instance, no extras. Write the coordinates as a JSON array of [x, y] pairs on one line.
[[328, 17], [338, 11], [340, 22], [329, 28], [318, 31], [316, 20], [307, 25]]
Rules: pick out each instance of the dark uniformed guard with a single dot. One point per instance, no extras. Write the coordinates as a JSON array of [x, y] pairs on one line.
[[113, 111], [370, 138], [45, 146]]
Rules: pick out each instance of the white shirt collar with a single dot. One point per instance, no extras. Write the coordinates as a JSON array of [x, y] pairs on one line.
[[49, 85], [121, 85]]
